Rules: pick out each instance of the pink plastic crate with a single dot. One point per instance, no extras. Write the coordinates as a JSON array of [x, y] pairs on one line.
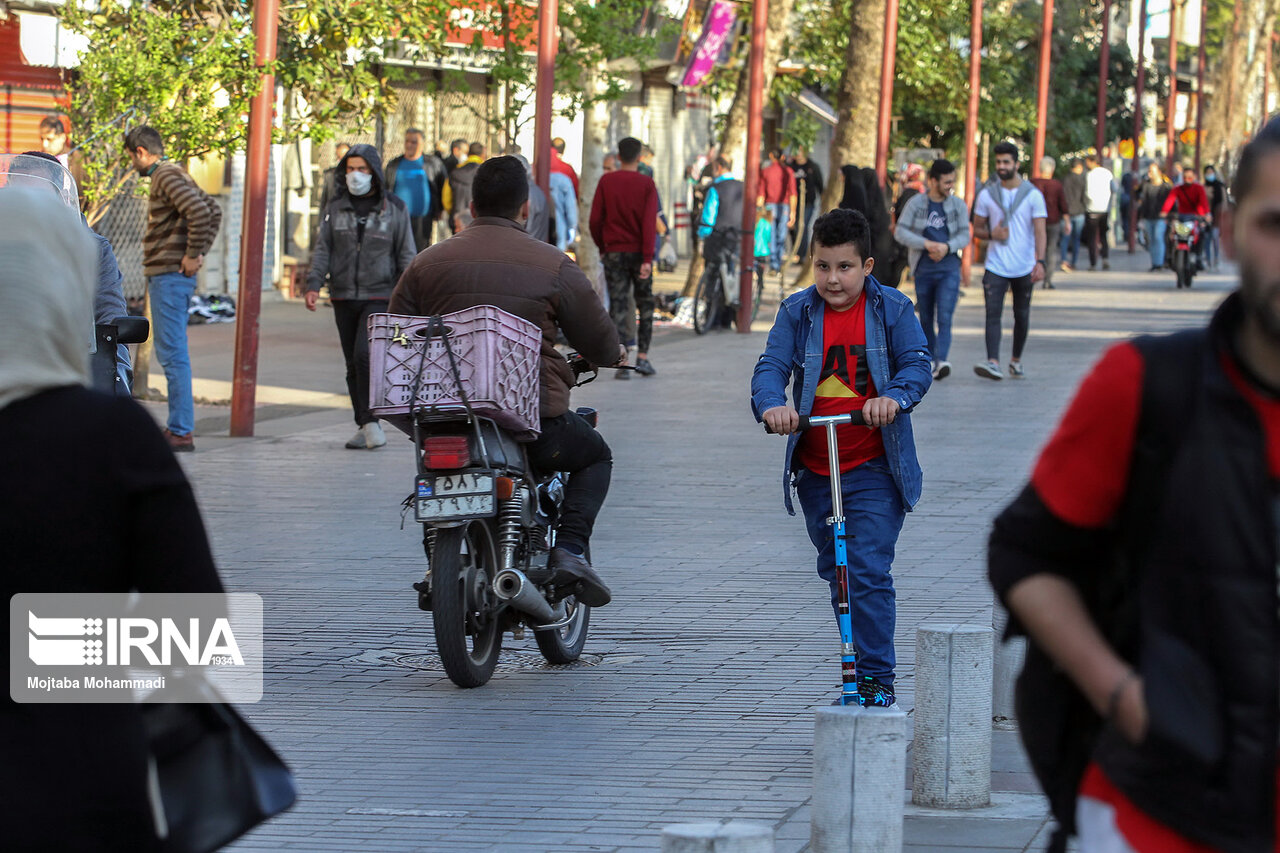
[[498, 361]]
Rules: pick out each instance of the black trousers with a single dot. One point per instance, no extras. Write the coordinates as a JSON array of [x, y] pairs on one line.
[[1095, 233], [629, 293], [352, 317], [569, 443], [994, 288], [421, 228]]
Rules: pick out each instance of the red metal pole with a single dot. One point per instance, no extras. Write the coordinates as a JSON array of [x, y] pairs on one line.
[[1104, 71], [548, 17], [1138, 93], [751, 167], [1200, 82], [971, 129], [1171, 109], [245, 370], [1266, 79], [1042, 89], [888, 57]]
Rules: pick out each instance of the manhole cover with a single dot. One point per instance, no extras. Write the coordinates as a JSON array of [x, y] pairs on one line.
[[511, 660]]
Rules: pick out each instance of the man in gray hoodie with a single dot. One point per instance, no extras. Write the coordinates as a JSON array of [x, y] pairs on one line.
[[365, 242]]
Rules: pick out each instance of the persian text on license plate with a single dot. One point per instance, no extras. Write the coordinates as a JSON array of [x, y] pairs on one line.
[[449, 496]]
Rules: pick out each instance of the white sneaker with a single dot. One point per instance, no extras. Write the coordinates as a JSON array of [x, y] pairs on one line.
[[374, 437], [356, 442], [988, 370]]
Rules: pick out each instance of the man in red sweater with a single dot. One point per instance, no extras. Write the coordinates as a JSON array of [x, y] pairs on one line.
[[624, 216], [1189, 200]]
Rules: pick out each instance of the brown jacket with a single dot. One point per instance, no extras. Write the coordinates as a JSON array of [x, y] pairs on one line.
[[182, 220], [493, 261]]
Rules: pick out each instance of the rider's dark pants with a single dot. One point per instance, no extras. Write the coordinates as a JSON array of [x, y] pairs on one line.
[[569, 443], [721, 250]]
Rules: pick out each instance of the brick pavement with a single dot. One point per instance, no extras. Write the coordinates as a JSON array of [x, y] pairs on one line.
[[696, 699]]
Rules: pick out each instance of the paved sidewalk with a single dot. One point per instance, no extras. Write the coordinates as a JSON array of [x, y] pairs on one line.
[[695, 700]]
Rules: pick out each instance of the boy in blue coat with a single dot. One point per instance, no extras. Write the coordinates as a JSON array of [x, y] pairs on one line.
[[849, 344]]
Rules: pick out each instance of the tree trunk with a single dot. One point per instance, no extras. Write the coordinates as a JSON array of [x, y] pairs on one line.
[[595, 130], [1233, 112], [734, 145], [857, 103]]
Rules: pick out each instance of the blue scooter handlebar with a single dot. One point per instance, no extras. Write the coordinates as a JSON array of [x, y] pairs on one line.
[[855, 418]]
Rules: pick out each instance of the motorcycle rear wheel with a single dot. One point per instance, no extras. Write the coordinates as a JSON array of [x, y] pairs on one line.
[[468, 634], [706, 302], [564, 645]]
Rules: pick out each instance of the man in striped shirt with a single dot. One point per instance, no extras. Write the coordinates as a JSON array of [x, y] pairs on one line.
[[182, 221]]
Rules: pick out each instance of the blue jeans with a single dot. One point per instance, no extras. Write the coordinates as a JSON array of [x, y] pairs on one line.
[[1071, 242], [170, 295], [873, 518], [937, 291], [806, 230], [1212, 246], [1156, 229], [781, 213]]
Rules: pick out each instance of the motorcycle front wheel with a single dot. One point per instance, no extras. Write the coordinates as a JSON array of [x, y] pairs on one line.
[[1180, 270], [706, 302], [564, 645], [468, 635]]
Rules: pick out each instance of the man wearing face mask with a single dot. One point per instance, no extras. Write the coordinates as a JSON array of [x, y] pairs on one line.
[[365, 243]]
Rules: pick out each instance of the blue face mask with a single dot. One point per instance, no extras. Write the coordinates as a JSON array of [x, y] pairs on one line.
[[359, 183]]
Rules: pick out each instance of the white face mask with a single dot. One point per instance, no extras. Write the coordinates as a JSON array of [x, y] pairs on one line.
[[359, 183]]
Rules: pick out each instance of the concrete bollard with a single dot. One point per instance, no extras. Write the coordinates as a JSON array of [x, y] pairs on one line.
[[859, 773], [1008, 659], [952, 750], [734, 836]]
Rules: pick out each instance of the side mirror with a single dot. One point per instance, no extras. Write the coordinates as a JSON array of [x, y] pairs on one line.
[[132, 330]]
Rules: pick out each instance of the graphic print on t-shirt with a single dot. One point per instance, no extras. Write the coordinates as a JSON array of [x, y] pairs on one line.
[[834, 380]]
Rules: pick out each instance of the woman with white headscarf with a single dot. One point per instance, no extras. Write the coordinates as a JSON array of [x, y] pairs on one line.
[[91, 500]]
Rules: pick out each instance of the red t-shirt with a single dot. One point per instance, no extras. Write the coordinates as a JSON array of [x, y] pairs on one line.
[[844, 385], [1081, 477]]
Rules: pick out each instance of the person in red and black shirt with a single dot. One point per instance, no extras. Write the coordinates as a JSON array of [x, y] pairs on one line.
[[1058, 222], [1190, 694], [624, 220]]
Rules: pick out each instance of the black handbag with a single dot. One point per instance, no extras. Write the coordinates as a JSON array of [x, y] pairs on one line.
[[213, 777]]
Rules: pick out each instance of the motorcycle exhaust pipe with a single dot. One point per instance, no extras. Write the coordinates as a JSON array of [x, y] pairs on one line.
[[512, 586]]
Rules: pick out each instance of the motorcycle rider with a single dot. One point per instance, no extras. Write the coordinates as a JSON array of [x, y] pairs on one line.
[[1192, 203], [720, 229], [494, 261]]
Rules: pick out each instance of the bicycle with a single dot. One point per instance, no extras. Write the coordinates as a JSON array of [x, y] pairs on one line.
[[710, 301]]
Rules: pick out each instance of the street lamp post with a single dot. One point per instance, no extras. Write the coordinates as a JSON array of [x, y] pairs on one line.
[[887, 59], [971, 130], [548, 15], [1200, 60], [1137, 117], [244, 383], [751, 166], [1104, 71], [1171, 108], [1042, 88]]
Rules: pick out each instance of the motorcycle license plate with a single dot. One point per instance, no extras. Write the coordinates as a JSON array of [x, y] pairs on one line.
[[441, 497]]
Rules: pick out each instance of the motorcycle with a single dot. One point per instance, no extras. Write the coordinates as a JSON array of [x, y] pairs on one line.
[[1184, 236], [488, 529]]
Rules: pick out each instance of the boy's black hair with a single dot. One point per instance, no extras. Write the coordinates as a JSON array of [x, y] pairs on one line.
[[146, 137], [842, 226], [1006, 147], [500, 188], [1267, 141], [53, 123], [941, 167], [629, 149]]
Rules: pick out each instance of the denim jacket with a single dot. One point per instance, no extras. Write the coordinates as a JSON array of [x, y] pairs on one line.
[[897, 356]]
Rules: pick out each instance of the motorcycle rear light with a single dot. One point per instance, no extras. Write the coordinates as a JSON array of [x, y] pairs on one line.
[[445, 451]]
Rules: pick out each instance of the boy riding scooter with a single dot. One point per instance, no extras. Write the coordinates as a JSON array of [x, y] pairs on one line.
[[850, 345]]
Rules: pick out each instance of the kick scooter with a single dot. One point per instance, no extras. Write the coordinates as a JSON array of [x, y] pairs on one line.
[[844, 621]]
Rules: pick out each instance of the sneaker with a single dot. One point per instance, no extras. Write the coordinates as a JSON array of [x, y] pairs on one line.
[[1066, 267], [644, 367], [180, 443], [356, 442], [1106, 265], [943, 370], [569, 569], [622, 374], [374, 437], [988, 370], [874, 694], [1016, 371]]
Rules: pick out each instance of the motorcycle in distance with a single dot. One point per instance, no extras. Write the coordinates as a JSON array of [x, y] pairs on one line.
[[1184, 235], [488, 528]]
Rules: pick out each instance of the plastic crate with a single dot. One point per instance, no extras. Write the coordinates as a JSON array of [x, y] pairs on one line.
[[498, 362]]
